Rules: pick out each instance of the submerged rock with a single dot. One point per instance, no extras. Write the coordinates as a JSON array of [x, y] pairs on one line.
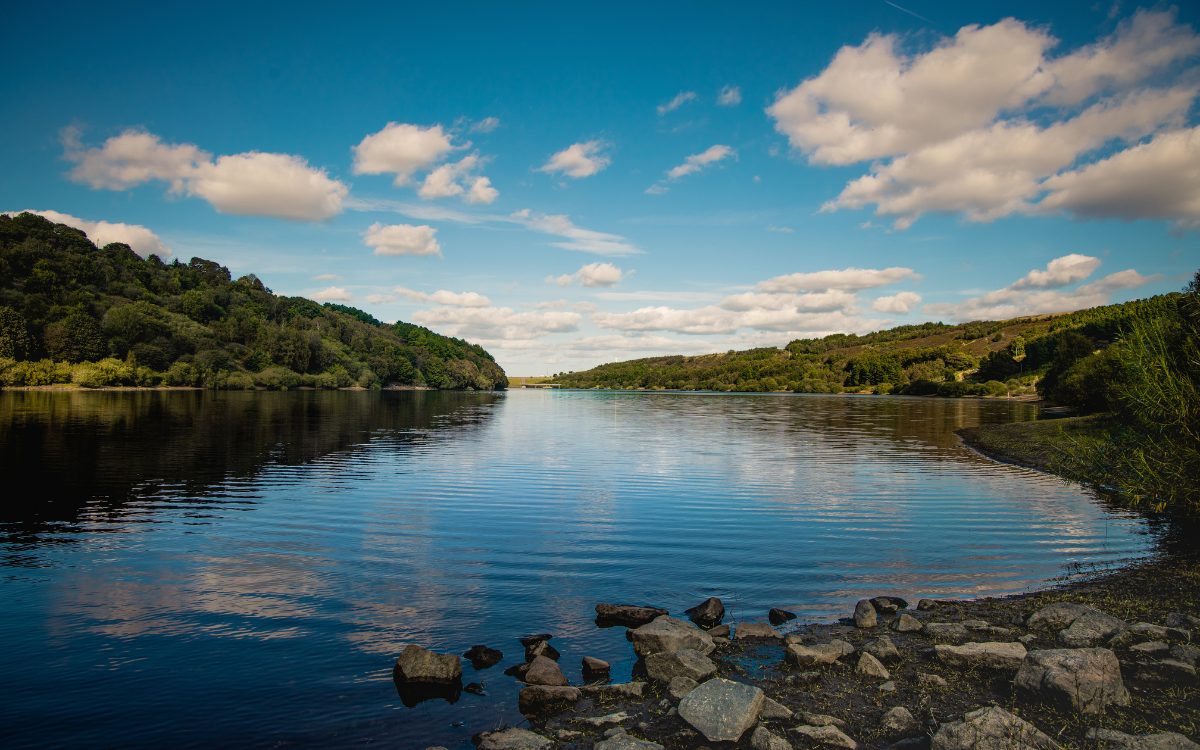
[[629, 615], [541, 648], [865, 615], [546, 699], [685, 662], [482, 657], [991, 728], [707, 613], [987, 655], [420, 665], [669, 634], [779, 616], [529, 640], [722, 710], [474, 688], [513, 739], [1085, 679]]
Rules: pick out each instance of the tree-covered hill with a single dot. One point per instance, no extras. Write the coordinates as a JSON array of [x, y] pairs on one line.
[[72, 312]]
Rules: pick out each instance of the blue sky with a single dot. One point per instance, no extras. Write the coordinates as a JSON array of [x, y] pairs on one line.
[[569, 184]]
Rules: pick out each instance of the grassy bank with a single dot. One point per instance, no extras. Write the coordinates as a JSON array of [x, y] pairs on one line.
[[1052, 445]]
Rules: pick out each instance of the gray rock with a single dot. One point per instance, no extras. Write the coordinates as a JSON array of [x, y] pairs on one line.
[[543, 671], [1168, 671], [1149, 648], [686, 662], [720, 631], [541, 648], [1085, 679], [681, 686], [882, 649], [619, 691], [1109, 739], [755, 630], [629, 615], [889, 604], [1145, 631], [864, 614], [763, 739], [987, 655], [777, 616], [1027, 639], [614, 731], [899, 722], [722, 710], [773, 709], [927, 604], [870, 666], [599, 721], [513, 739], [545, 699], [707, 613], [817, 655], [670, 634], [1057, 616], [888, 687], [420, 665], [930, 680], [907, 624], [827, 736], [1089, 629], [626, 742], [1179, 620], [595, 669], [991, 728], [1185, 653], [822, 720], [951, 632]]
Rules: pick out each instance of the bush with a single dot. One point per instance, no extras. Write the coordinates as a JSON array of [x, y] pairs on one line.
[[995, 388], [106, 372], [182, 374], [238, 381], [276, 378]]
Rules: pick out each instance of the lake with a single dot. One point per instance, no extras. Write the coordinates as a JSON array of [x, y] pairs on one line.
[[194, 569]]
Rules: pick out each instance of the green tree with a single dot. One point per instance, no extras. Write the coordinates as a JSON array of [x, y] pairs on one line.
[[75, 338]]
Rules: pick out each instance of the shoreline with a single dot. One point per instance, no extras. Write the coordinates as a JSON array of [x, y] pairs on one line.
[[74, 387]]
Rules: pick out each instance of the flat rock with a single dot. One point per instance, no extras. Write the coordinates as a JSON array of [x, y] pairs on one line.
[[543, 671], [953, 632], [870, 666], [865, 615], [595, 669], [1168, 671], [991, 728], [1085, 679], [1089, 629], [1058, 615], [756, 630], [619, 691], [545, 699], [686, 662], [482, 657], [603, 721], [817, 655], [681, 686], [826, 736], [822, 720], [1150, 648], [987, 655], [882, 649], [669, 634], [707, 613], [629, 615], [722, 710], [773, 709], [626, 742], [420, 665], [778, 616], [720, 631], [1145, 631], [899, 722], [763, 739], [513, 739], [1110, 739], [906, 623]]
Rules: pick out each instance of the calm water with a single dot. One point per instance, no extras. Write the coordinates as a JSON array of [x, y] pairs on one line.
[[200, 569]]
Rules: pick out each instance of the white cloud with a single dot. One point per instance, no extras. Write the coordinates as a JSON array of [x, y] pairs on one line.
[[497, 323], [333, 294], [680, 99], [697, 162], [851, 279], [651, 295], [593, 274], [1059, 272], [381, 299], [326, 277], [252, 183], [486, 125], [832, 299], [575, 238], [636, 343], [482, 191], [447, 298], [401, 149], [451, 179], [143, 241], [402, 239], [901, 302], [578, 160], [729, 96]]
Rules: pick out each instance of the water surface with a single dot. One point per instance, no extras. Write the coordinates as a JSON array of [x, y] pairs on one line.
[[196, 569]]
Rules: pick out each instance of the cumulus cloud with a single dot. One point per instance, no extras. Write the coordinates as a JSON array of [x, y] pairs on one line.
[[729, 96], [849, 279], [453, 179], [444, 297], [252, 183], [1059, 272], [983, 122], [401, 149], [593, 274], [900, 302], [402, 239], [143, 241], [680, 99], [333, 294], [482, 191], [578, 160]]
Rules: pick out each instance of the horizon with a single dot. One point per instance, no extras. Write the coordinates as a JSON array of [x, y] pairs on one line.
[[568, 196]]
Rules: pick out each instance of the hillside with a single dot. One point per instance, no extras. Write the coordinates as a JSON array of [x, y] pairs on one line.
[[71, 312], [978, 358]]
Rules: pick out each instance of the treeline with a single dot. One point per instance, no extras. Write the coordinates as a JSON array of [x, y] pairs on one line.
[[74, 313]]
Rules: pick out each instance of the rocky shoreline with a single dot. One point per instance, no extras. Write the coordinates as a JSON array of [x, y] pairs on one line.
[[1106, 662]]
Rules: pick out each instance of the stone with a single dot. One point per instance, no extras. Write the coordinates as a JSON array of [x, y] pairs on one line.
[[720, 631], [882, 649], [513, 739], [482, 657], [907, 624], [420, 665], [991, 728], [1110, 739], [543, 671], [629, 615], [1089, 629], [619, 691], [987, 655], [567, 734], [952, 632], [822, 720], [1145, 631], [669, 634], [778, 616], [826, 736], [1185, 653], [1027, 639], [763, 739], [685, 662], [817, 655], [625, 741], [888, 687], [1168, 671], [517, 670], [1150, 648], [599, 721], [889, 604], [595, 669], [545, 699], [930, 680], [899, 722], [1085, 679], [1179, 620], [722, 710], [529, 640], [681, 686], [865, 615], [707, 613], [927, 604], [773, 709], [614, 731], [870, 666], [540, 648], [474, 688], [1057, 616], [756, 630]]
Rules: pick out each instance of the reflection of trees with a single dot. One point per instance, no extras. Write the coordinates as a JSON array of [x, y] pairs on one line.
[[103, 450]]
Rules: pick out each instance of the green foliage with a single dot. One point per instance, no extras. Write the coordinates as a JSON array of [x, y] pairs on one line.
[[64, 300]]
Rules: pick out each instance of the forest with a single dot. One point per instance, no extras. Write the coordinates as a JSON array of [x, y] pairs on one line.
[[71, 312]]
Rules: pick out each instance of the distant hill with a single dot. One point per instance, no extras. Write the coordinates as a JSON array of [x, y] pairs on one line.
[[73, 312], [979, 358]]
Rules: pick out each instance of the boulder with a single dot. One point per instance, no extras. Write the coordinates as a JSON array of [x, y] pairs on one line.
[[629, 615], [540, 648], [906, 624], [623, 741], [422, 666], [778, 616], [1057, 616], [991, 728], [669, 634], [513, 739], [1145, 631], [1085, 679], [619, 691], [594, 669], [722, 710], [826, 736], [720, 631], [870, 666], [888, 605], [773, 709], [546, 699], [882, 649], [817, 655], [1110, 739], [667, 665], [952, 632], [986, 655], [681, 686], [543, 671], [482, 657], [1090, 629], [899, 722], [927, 604], [763, 739], [864, 614], [707, 613], [1167, 671], [1185, 653], [756, 630]]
